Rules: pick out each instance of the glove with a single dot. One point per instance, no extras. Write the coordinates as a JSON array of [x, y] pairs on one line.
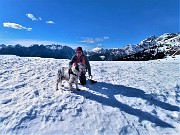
[[90, 76]]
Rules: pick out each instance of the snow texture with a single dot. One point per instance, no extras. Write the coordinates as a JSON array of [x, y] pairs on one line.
[[130, 98]]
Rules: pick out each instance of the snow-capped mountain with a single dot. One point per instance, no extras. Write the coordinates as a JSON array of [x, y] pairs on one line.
[[130, 49], [54, 47], [45, 51], [151, 48], [166, 39]]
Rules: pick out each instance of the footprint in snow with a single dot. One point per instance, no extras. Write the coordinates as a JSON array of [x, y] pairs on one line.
[[5, 101]]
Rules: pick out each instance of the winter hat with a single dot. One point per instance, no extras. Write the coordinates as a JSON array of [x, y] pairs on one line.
[[79, 49]]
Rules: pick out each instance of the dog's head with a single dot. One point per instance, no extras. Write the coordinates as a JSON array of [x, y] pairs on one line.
[[81, 67], [78, 68]]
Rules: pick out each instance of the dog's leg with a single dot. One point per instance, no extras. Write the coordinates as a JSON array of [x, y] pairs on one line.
[[70, 86], [57, 84], [58, 79], [70, 83], [76, 83], [61, 83]]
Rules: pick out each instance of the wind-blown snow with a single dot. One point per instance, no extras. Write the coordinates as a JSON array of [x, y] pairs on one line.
[[129, 98]]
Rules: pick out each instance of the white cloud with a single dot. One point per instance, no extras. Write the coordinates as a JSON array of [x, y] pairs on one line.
[[88, 40], [106, 38], [93, 40], [50, 22], [29, 29], [32, 17], [15, 26]]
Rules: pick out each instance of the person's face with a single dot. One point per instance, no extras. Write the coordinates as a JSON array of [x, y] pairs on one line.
[[79, 53]]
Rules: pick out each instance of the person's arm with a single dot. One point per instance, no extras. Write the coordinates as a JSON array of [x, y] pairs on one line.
[[73, 59], [88, 66]]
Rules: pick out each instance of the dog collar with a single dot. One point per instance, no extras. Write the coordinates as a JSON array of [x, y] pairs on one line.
[[71, 72]]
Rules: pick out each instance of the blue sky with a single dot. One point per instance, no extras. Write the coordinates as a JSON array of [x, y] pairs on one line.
[[87, 23]]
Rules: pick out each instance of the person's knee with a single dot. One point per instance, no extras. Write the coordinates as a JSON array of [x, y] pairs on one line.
[[83, 82]]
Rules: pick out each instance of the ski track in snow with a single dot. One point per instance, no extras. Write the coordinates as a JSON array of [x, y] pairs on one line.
[[129, 98]]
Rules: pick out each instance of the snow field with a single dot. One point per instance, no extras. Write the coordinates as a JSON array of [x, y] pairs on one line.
[[129, 98]]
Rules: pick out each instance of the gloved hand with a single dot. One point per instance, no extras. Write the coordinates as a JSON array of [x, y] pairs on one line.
[[90, 76]]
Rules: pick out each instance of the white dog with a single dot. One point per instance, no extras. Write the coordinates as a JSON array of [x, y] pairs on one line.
[[71, 76]]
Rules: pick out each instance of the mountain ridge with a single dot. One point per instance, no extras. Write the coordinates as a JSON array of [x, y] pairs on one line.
[[153, 47]]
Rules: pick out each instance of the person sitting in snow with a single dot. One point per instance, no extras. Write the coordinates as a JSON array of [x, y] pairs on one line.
[[79, 57]]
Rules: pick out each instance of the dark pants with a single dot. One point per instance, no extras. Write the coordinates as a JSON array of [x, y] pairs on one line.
[[82, 79]]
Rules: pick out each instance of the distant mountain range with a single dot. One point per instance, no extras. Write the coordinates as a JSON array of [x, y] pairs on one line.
[[44, 51], [151, 48]]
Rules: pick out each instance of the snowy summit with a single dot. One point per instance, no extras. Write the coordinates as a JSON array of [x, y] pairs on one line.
[[134, 98]]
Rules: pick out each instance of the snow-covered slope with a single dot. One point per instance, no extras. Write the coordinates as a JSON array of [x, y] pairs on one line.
[[129, 98]]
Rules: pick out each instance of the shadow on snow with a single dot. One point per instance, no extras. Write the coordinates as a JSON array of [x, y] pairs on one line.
[[111, 90]]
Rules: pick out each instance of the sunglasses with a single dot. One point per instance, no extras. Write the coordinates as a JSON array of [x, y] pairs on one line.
[[79, 52]]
